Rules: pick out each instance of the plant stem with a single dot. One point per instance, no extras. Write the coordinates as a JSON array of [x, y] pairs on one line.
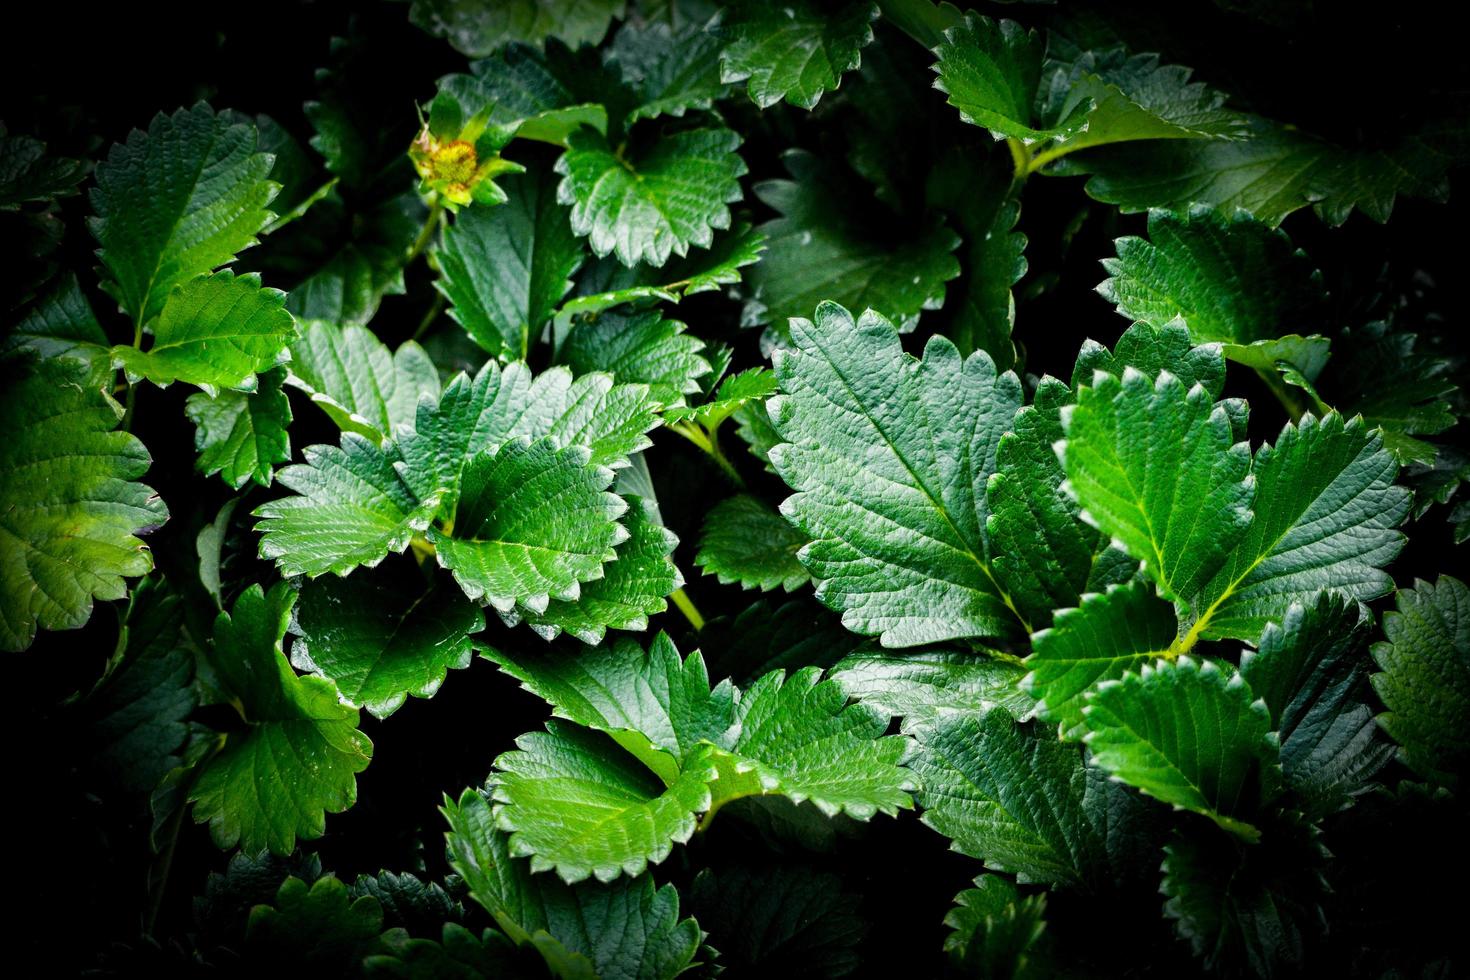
[[687, 607], [301, 208], [1295, 407], [431, 316], [711, 448], [1020, 157], [1047, 156], [426, 233]]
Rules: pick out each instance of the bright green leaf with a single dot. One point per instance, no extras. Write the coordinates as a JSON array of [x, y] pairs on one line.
[[794, 51], [242, 435]]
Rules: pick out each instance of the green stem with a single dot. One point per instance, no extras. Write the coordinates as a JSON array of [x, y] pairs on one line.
[[1047, 156], [431, 316], [426, 233], [687, 607], [1020, 157], [711, 449], [1285, 394], [127, 419], [301, 208]]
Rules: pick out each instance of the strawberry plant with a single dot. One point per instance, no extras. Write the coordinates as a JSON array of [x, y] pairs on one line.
[[677, 488]]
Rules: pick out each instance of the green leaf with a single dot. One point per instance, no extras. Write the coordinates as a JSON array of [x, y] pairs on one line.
[[504, 269], [357, 381], [756, 430], [781, 920], [136, 716], [1326, 517], [1156, 466], [991, 71], [793, 51], [242, 435], [1152, 349], [408, 902], [216, 332], [765, 637], [626, 928], [177, 202], [632, 588], [458, 955], [1106, 636], [70, 508], [1312, 672], [477, 27], [321, 929], [382, 636], [656, 203], [350, 259], [821, 249], [352, 509], [1193, 265], [532, 523], [29, 175], [670, 71], [891, 483], [62, 324], [993, 929], [1025, 803], [745, 541], [299, 751], [1425, 679], [1186, 734], [735, 392], [923, 687], [640, 347]]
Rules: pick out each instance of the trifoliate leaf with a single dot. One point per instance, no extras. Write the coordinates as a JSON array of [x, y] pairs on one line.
[[1156, 466], [360, 384], [670, 71], [29, 175], [477, 27], [352, 509], [993, 929], [1044, 554], [991, 71], [1249, 911], [625, 928], [745, 541], [1025, 803], [408, 902], [1107, 635], [1327, 510], [780, 920], [1312, 672], [384, 635], [1186, 734], [735, 392], [820, 249], [925, 686], [765, 637], [62, 324], [793, 51], [177, 202], [69, 506], [1425, 683], [640, 347], [656, 203], [1193, 265], [505, 268], [136, 715], [216, 332], [296, 758], [242, 435], [532, 523], [633, 586], [897, 522], [321, 929], [347, 260]]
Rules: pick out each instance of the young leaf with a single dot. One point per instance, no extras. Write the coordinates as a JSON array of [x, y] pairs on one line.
[[1106, 636], [176, 202], [1186, 734], [1025, 803], [1425, 679], [735, 392], [408, 902], [821, 249], [242, 435], [659, 202], [639, 347], [505, 268], [1312, 672], [1156, 466], [745, 541], [793, 51], [994, 929], [357, 381], [71, 506], [532, 523], [891, 483], [991, 71], [299, 752], [1326, 514], [477, 27], [925, 686], [624, 928], [215, 332], [382, 637]]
